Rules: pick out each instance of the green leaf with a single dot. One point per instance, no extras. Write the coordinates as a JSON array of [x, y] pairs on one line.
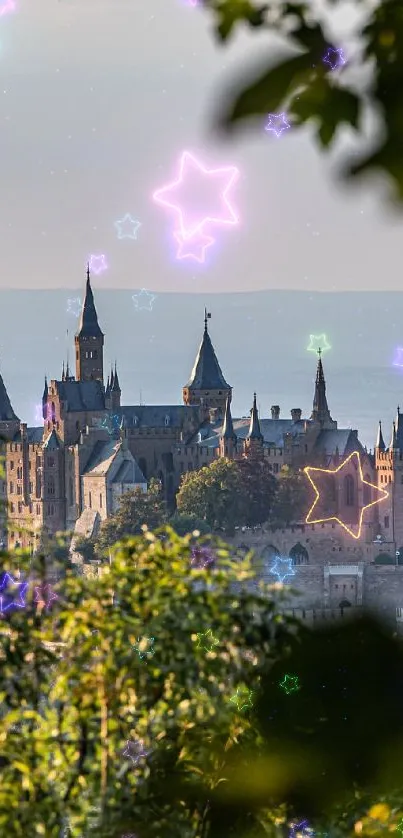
[[388, 158], [330, 106], [230, 12], [267, 93]]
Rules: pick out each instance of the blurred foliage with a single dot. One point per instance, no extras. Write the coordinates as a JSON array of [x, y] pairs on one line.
[[136, 508], [290, 499], [294, 78]]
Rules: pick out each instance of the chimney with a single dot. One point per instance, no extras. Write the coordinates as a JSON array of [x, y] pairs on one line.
[[296, 414], [275, 411]]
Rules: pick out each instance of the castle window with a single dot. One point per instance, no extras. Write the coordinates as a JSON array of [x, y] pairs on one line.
[[11, 507], [51, 485], [71, 491], [90, 499], [31, 486], [349, 490], [100, 501], [51, 461], [38, 509], [12, 466], [386, 522], [19, 508], [95, 354], [167, 420], [275, 468], [11, 488], [19, 473]]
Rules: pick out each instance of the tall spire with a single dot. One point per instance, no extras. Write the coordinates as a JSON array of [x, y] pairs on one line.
[[254, 427], [111, 378], [380, 444], [228, 432], [320, 409], [115, 386], [89, 326], [108, 388], [6, 411], [63, 373], [393, 441], [206, 373]]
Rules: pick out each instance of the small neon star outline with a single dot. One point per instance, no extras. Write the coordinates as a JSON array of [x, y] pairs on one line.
[[209, 642], [334, 58], [144, 647], [242, 698], [18, 602], [193, 247], [135, 751], [309, 469], [97, 263], [302, 828], [202, 557], [74, 306], [127, 227], [277, 124], [44, 595], [290, 684], [318, 343], [142, 298], [282, 568]]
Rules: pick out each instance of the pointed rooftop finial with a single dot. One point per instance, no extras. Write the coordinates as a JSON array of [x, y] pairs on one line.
[[228, 428], [207, 316], [116, 385], [88, 271], [380, 444], [254, 427], [112, 377], [63, 373]]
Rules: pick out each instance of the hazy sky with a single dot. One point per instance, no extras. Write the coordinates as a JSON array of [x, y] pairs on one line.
[[99, 98]]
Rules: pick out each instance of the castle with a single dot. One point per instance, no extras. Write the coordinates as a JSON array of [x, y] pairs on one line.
[[69, 473]]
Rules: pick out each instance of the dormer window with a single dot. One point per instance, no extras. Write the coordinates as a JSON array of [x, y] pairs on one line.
[[167, 420]]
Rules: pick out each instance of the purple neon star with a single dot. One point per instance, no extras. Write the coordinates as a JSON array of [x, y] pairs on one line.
[[5, 602], [97, 263], [194, 247], [398, 362], [202, 557], [277, 124], [44, 595], [334, 58], [135, 751], [207, 189], [6, 6]]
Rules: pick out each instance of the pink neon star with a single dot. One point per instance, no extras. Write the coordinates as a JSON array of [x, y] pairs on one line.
[[44, 595], [97, 263], [6, 6], [184, 192], [194, 247]]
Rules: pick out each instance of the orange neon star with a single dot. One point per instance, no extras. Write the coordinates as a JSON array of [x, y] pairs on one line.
[[310, 520]]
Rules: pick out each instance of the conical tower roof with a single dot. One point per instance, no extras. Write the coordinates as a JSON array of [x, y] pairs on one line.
[[320, 409], [228, 428], [254, 427], [206, 373], [379, 439], [115, 385], [89, 326], [6, 411]]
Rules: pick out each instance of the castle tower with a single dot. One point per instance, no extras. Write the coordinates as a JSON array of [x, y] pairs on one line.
[[389, 474], [320, 409], [115, 391], [89, 341], [228, 438], [9, 421], [207, 385], [254, 440]]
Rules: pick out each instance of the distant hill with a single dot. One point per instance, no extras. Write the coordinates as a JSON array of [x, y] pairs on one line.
[[260, 338]]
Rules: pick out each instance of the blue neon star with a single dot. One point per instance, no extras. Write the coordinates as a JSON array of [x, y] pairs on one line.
[[144, 300], [282, 568], [74, 306], [5, 601], [127, 227]]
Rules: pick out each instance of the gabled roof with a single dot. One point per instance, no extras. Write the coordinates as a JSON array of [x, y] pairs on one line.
[[102, 459], [206, 373], [81, 395], [89, 326], [52, 443], [6, 411]]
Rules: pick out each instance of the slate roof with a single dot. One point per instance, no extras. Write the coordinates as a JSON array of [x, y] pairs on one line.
[[6, 411], [81, 395], [153, 416], [206, 373], [89, 326], [102, 457], [274, 430], [52, 443], [34, 435]]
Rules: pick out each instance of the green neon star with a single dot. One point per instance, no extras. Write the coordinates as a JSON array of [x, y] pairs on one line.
[[318, 343], [144, 647], [290, 684], [242, 698], [207, 641]]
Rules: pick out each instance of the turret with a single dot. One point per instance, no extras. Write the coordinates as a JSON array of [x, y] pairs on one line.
[[207, 386], [254, 439], [89, 340], [228, 439]]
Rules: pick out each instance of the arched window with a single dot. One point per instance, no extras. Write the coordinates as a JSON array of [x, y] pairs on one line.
[[51, 485], [366, 491], [345, 604], [331, 487], [167, 420], [349, 490], [299, 554]]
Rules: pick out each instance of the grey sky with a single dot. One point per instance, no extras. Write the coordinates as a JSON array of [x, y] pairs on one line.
[[98, 100]]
